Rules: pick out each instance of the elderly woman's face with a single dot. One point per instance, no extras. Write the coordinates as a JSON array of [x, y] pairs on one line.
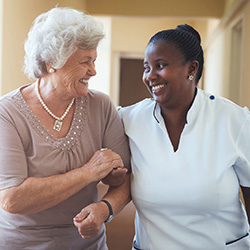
[[75, 74]]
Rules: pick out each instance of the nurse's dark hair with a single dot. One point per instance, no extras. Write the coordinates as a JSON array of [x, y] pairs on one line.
[[188, 42]]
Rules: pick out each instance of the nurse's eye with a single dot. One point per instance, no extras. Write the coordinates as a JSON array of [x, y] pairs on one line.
[[161, 65], [146, 68]]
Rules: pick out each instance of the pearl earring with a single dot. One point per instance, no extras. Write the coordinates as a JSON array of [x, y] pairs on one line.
[[191, 78], [51, 70]]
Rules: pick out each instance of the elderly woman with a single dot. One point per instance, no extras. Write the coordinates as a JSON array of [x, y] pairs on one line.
[[58, 140]]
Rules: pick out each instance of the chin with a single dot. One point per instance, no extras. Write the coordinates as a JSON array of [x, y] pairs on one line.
[[84, 93], [159, 100]]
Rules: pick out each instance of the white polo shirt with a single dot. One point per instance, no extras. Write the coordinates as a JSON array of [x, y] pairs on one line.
[[189, 199]]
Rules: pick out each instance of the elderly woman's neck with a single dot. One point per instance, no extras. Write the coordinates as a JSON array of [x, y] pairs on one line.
[[50, 92]]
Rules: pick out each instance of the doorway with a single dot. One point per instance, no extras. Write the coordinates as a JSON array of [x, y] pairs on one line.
[[131, 88]]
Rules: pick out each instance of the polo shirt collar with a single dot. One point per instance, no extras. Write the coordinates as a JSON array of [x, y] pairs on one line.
[[191, 114]]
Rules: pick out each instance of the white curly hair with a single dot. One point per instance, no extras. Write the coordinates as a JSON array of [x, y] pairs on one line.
[[55, 36]]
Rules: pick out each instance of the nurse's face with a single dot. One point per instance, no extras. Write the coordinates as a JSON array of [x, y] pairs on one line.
[[166, 73]]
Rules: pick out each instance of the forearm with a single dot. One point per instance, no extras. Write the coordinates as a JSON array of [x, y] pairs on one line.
[[37, 194], [120, 196], [91, 218]]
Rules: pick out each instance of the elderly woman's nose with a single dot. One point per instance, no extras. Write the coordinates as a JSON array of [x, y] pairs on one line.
[[92, 70]]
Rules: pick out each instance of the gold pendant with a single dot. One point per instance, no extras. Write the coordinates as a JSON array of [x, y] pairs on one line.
[[57, 125]]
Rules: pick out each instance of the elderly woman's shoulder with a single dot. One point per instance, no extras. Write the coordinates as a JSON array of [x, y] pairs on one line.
[[9, 104], [7, 99], [93, 93], [97, 98]]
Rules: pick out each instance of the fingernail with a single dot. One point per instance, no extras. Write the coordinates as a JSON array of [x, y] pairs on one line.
[[76, 217]]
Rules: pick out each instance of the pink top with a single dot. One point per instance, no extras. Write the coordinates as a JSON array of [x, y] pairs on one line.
[[28, 149]]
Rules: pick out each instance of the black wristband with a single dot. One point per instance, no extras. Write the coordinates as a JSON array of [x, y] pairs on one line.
[[111, 214]]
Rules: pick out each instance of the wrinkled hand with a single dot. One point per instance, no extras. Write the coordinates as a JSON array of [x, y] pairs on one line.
[[103, 162], [116, 177], [90, 219]]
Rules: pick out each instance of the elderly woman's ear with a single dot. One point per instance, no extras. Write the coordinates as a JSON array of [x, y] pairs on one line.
[[49, 68]]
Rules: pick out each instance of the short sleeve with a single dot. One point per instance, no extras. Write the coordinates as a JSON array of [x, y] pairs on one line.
[[242, 166], [114, 136], [13, 165]]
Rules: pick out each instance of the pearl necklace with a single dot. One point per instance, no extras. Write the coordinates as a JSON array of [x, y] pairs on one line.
[[58, 122]]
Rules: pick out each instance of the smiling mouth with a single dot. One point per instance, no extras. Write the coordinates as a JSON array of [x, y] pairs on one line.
[[157, 88], [84, 81]]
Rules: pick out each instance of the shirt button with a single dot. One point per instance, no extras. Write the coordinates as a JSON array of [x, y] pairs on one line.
[[212, 97]]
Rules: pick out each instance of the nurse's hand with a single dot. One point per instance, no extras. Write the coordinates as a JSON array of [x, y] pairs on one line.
[[116, 177], [90, 219]]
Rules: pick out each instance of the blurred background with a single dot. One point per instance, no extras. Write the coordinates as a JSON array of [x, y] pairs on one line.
[[224, 26]]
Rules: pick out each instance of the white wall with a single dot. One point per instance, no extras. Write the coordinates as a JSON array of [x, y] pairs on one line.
[[103, 63], [216, 62]]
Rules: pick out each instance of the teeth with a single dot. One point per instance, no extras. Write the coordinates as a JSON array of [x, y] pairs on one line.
[[158, 87], [84, 81]]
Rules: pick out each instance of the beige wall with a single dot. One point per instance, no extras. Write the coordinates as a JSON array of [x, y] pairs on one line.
[[130, 36], [16, 22], [179, 8], [218, 57], [126, 35], [245, 93]]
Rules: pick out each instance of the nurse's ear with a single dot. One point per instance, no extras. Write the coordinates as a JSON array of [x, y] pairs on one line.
[[193, 68]]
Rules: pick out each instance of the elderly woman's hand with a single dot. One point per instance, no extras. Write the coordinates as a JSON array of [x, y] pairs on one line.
[[90, 219], [104, 162]]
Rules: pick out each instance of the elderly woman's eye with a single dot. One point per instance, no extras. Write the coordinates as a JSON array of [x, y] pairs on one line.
[[86, 62]]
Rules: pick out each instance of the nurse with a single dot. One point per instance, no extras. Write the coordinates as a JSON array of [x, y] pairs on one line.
[[190, 154]]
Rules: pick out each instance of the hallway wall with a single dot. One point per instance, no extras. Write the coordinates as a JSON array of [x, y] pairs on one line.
[[125, 35], [218, 56], [17, 19]]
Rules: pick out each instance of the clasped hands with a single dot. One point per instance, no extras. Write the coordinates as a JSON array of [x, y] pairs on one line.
[[110, 169]]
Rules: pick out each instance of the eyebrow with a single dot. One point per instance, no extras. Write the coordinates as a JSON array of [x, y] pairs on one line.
[[157, 60]]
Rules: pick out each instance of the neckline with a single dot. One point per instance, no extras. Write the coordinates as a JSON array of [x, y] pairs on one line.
[[40, 99], [190, 118], [77, 125]]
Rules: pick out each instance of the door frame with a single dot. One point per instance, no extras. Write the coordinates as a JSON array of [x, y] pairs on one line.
[[115, 86], [240, 21]]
